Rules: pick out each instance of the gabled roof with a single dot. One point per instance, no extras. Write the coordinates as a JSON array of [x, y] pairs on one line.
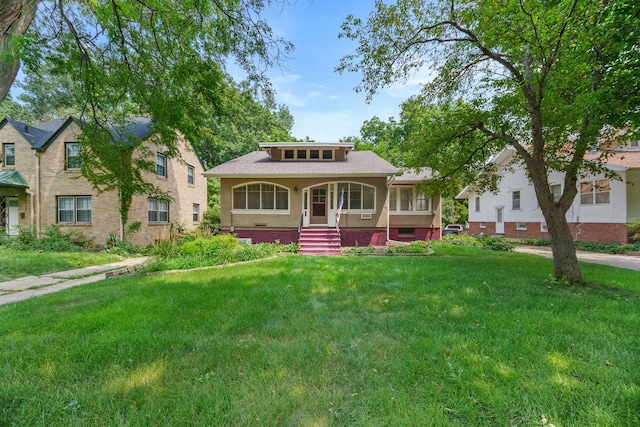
[[259, 165], [35, 136], [43, 134], [617, 160]]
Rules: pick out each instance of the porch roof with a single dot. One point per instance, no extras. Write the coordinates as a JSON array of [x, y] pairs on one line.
[[258, 164], [12, 179]]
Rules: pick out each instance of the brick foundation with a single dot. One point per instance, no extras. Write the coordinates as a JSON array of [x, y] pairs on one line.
[[584, 232], [267, 236]]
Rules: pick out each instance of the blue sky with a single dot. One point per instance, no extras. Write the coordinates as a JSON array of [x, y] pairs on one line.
[[324, 104]]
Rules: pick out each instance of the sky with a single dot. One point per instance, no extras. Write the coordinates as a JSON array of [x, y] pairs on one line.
[[323, 102]]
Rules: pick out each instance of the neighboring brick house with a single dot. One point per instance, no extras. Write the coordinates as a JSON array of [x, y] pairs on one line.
[[289, 187], [41, 184], [599, 213]]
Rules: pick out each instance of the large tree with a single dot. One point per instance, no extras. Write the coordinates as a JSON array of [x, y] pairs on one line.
[[549, 78], [164, 58]]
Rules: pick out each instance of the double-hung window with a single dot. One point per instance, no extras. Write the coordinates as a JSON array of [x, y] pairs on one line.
[[9, 154], [158, 211], [477, 203], [515, 200], [74, 209], [556, 191], [190, 175], [196, 212], [161, 164], [72, 155], [595, 192]]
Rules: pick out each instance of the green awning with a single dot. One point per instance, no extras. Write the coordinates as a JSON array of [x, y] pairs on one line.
[[12, 179]]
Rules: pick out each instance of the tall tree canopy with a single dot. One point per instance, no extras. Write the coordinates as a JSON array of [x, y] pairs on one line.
[[164, 58], [546, 77]]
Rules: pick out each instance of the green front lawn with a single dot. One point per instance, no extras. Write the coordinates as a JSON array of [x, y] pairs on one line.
[[20, 263], [477, 340]]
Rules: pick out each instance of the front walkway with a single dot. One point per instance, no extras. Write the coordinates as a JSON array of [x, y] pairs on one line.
[[620, 261], [33, 286]]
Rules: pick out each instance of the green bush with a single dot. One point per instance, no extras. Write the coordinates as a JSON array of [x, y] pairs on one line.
[[415, 247], [461, 240], [209, 246], [634, 231], [495, 244], [359, 250], [489, 243]]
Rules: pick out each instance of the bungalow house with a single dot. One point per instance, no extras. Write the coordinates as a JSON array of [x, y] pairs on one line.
[[599, 213], [288, 190], [41, 184]]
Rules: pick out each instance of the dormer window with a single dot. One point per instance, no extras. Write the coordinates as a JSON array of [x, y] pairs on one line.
[[288, 154], [314, 154], [633, 144], [302, 154], [327, 154]]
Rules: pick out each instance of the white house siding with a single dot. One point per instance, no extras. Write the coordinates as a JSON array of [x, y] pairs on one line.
[[601, 222]]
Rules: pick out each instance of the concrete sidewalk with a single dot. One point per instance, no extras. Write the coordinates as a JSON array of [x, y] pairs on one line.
[[33, 286], [620, 261]]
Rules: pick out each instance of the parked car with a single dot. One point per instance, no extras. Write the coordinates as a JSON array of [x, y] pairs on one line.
[[453, 229]]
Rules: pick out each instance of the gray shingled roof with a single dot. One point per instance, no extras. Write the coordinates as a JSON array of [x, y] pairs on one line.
[[36, 137], [410, 176], [259, 164]]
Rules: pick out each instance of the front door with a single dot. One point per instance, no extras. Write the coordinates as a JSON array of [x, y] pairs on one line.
[[499, 220], [319, 205], [9, 215]]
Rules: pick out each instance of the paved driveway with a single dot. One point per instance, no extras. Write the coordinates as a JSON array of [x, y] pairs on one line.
[[620, 261]]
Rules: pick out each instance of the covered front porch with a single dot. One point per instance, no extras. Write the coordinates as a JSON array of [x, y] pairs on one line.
[[13, 194]]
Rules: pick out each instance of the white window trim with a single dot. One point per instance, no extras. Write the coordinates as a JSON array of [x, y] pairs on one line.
[[594, 193], [519, 208], [414, 202], [3, 155], [521, 227], [192, 175], [75, 210], [158, 155], [158, 212], [273, 211], [543, 227], [346, 210]]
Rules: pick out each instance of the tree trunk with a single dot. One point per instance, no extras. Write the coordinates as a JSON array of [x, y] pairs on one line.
[[565, 261], [15, 18]]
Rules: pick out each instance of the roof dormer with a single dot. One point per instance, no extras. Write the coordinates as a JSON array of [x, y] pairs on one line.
[[307, 151]]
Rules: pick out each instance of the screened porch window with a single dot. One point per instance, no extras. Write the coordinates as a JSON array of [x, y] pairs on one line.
[[261, 196], [357, 196]]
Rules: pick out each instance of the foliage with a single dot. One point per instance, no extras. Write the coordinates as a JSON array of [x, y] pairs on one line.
[[548, 79], [608, 248], [16, 263], [489, 243], [201, 251], [359, 250], [454, 211], [114, 245], [344, 341], [51, 240], [415, 247], [634, 231]]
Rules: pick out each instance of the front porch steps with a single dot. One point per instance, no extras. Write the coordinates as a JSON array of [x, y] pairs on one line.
[[320, 241]]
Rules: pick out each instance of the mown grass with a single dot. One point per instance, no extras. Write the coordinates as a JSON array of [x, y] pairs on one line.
[[446, 340], [19, 263]]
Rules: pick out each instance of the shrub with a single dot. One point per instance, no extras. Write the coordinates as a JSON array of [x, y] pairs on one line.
[[461, 240], [209, 246], [634, 231], [359, 250], [415, 247], [495, 244]]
